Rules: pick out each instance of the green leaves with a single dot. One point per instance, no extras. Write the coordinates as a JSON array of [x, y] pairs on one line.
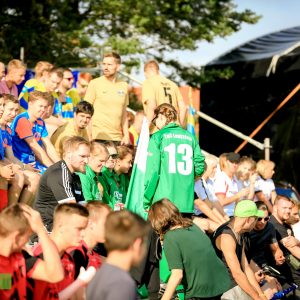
[[76, 32]]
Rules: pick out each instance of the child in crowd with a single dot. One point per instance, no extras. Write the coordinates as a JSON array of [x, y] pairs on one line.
[[264, 186], [125, 234], [70, 221], [26, 175], [115, 174], [93, 185], [17, 222]]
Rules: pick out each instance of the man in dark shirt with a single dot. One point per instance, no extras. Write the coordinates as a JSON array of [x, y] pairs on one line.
[[262, 241], [284, 234], [60, 184]]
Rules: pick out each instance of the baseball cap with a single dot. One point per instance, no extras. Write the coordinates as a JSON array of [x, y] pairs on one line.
[[233, 157], [247, 208]]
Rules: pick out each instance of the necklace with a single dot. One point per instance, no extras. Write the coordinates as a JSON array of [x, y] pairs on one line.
[[236, 234]]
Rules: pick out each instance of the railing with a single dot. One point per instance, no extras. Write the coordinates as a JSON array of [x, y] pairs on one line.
[[262, 146]]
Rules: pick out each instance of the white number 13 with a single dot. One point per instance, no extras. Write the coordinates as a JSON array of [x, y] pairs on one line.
[[185, 165]]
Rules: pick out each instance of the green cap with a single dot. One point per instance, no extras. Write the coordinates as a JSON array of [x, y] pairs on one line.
[[247, 208]]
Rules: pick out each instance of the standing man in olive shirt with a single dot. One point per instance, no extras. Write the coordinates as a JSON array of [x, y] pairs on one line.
[[110, 99], [157, 89]]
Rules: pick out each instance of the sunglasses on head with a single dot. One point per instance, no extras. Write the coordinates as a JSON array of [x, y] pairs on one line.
[[266, 219]]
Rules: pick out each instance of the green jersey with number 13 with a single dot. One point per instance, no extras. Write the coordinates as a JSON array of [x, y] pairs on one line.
[[174, 159]]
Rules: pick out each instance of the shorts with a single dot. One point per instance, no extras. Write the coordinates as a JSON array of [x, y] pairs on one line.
[[3, 199]]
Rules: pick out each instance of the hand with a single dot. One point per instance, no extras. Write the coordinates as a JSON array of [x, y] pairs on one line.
[[290, 241], [31, 167], [7, 172], [125, 140], [279, 257], [244, 192], [16, 168], [259, 275], [253, 178], [34, 219], [86, 275]]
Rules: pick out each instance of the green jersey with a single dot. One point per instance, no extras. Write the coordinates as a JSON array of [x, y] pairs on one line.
[[174, 159], [90, 186], [117, 186]]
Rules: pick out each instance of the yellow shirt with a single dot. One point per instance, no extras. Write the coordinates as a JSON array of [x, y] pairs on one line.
[[65, 131], [109, 100], [29, 86], [73, 94], [162, 90]]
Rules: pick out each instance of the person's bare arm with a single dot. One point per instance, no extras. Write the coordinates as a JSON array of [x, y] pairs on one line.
[[250, 274], [277, 253], [173, 282], [125, 140], [182, 112], [50, 268], [227, 245], [77, 288], [50, 150], [39, 152], [295, 250], [202, 205], [227, 200]]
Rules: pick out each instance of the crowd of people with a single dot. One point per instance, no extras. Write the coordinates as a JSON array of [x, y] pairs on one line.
[[215, 225]]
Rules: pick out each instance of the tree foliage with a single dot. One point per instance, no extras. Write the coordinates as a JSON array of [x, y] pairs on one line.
[[76, 32]]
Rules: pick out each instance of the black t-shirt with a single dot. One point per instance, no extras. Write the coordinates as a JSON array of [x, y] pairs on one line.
[[57, 185], [282, 231], [258, 244]]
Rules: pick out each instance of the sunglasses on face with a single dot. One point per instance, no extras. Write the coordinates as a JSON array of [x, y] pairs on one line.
[[69, 78], [113, 156], [266, 219]]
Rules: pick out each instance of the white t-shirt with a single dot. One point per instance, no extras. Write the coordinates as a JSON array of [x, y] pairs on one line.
[[228, 187], [266, 186]]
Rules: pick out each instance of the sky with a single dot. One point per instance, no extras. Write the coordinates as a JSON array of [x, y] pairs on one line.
[[275, 15]]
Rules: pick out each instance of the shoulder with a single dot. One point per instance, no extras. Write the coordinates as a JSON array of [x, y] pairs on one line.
[[96, 81]]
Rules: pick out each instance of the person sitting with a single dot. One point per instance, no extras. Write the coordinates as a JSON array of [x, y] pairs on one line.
[[42, 71], [189, 253], [30, 178], [30, 140], [74, 127], [16, 70], [115, 174], [229, 242], [93, 185], [288, 244], [60, 184], [264, 186]]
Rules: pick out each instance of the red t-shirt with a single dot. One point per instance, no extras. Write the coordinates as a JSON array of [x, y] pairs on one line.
[[43, 290], [83, 257], [13, 272]]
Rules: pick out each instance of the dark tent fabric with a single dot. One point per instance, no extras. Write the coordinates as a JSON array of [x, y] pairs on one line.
[[247, 98], [263, 47]]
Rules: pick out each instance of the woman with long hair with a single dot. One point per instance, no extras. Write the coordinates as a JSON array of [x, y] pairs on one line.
[[190, 255]]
